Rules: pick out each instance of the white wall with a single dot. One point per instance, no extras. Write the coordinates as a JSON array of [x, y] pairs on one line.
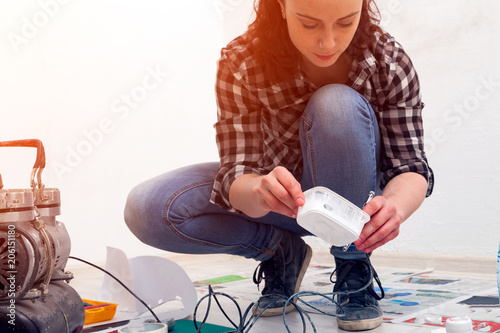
[[455, 47], [82, 83], [120, 91]]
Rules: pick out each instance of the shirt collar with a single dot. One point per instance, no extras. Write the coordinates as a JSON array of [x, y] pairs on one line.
[[362, 68]]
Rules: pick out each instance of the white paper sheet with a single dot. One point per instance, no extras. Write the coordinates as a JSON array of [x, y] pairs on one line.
[[155, 280]]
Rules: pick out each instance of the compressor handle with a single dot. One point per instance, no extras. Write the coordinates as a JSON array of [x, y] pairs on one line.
[[39, 162]]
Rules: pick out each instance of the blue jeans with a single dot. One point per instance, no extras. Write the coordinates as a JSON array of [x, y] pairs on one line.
[[340, 143]]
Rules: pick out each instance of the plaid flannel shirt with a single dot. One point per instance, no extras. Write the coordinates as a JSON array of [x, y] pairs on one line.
[[257, 124]]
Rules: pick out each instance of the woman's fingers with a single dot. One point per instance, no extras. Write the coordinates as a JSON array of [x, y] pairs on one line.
[[383, 225], [281, 192]]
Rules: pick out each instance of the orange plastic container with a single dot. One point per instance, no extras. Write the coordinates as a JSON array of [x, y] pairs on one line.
[[97, 314]]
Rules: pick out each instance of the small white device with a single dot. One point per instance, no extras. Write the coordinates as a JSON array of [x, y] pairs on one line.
[[331, 217]]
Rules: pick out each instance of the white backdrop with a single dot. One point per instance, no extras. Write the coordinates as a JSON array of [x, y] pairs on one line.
[[120, 91]]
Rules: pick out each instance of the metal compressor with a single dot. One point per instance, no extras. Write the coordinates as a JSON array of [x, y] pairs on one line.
[[34, 248]]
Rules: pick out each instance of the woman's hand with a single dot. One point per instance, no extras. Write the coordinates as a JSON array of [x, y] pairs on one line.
[[383, 225], [401, 197], [277, 191]]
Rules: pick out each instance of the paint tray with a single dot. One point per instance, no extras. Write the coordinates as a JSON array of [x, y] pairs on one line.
[[331, 217], [100, 311]]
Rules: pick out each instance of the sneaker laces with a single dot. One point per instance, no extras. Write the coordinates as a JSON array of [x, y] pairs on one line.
[[273, 272], [353, 281]]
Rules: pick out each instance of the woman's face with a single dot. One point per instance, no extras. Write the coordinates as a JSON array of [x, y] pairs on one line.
[[322, 29]]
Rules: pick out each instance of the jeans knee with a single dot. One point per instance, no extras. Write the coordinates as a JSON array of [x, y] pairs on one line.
[[338, 93], [337, 111], [135, 210], [337, 105], [145, 214], [335, 91]]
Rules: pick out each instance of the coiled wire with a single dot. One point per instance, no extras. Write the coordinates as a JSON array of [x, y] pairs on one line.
[[245, 325]]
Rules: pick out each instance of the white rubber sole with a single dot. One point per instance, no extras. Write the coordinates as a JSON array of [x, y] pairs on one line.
[[359, 325]]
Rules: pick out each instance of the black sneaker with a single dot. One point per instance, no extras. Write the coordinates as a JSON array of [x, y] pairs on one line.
[[358, 299], [282, 273]]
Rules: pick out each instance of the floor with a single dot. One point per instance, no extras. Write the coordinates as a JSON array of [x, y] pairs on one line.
[[470, 276]]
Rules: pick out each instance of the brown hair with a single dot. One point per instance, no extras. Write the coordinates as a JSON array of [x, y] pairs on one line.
[[275, 51]]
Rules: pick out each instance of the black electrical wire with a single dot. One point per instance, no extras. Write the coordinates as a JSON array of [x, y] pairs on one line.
[[251, 311], [246, 326], [121, 283], [213, 294]]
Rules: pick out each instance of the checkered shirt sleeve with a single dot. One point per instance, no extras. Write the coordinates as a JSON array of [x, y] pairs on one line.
[[238, 129], [394, 92]]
